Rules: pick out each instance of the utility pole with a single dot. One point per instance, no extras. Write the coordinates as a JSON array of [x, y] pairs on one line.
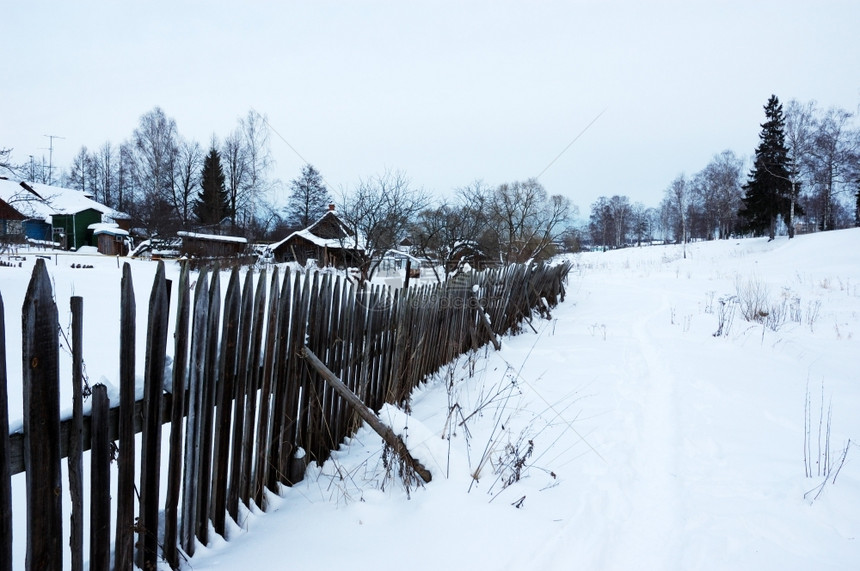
[[51, 156]]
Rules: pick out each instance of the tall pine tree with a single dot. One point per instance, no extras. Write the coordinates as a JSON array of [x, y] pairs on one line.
[[768, 189], [309, 198], [213, 203]]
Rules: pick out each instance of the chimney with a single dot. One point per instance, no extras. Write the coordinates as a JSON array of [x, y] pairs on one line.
[[331, 207]]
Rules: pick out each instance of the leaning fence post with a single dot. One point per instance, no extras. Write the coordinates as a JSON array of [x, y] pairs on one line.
[[5, 466], [40, 352], [100, 484]]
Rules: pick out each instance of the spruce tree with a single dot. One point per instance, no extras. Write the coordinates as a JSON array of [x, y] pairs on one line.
[[309, 198], [212, 204], [768, 188]]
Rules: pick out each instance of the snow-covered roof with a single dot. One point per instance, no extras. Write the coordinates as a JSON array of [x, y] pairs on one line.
[[27, 203], [71, 201], [213, 237], [402, 254], [107, 228], [346, 243]]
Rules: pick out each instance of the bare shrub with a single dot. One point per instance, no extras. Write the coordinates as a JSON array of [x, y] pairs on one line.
[[752, 295], [725, 314]]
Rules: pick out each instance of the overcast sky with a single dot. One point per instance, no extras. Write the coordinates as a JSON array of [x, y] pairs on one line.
[[446, 92]]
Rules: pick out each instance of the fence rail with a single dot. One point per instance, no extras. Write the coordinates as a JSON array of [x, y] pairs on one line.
[[246, 411]]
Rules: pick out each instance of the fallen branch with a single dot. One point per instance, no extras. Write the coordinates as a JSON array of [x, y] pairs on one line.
[[367, 414]]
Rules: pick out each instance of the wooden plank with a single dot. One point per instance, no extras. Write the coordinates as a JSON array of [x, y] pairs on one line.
[[280, 427], [385, 432], [76, 439], [100, 547], [210, 379], [5, 453], [239, 393], [174, 469], [40, 352], [260, 475], [224, 398], [156, 346], [290, 467], [194, 395], [125, 431], [252, 374]]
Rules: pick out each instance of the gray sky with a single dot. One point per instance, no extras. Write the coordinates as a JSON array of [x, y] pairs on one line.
[[446, 92]]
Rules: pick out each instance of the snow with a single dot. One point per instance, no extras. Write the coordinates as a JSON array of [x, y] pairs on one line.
[[213, 237], [624, 434]]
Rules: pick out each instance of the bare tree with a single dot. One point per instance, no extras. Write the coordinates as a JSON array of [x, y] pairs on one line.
[[800, 126], [104, 162], [6, 161], [186, 178], [154, 142], [834, 150], [79, 173], [524, 220], [678, 199], [246, 160], [717, 191], [379, 211]]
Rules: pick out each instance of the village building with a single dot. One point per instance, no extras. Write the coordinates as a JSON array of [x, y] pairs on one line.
[[52, 215], [329, 241], [199, 245]]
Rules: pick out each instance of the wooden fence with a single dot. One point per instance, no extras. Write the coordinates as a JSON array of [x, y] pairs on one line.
[[246, 413]]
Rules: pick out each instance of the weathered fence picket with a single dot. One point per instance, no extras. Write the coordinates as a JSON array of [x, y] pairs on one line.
[[76, 437], [5, 462], [174, 468], [100, 482], [156, 346], [246, 411], [41, 378], [124, 542]]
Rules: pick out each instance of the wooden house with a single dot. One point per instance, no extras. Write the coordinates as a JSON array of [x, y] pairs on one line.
[[24, 215], [329, 241]]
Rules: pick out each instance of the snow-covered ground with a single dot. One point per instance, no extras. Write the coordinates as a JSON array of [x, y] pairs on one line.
[[624, 434]]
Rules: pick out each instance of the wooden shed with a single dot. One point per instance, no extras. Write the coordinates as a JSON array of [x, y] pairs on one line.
[[111, 240], [211, 245]]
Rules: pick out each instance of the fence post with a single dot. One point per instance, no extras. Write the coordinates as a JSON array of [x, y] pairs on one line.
[[100, 484], [224, 399], [210, 378], [174, 469], [124, 542], [194, 394], [40, 352], [156, 344], [76, 437], [5, 467], [266, 394]]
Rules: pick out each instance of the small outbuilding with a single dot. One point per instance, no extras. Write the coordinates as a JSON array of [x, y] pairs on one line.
[[211, 245], [111, 240]]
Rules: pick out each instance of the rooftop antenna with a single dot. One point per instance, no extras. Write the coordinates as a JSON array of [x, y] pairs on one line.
[[51, 155]]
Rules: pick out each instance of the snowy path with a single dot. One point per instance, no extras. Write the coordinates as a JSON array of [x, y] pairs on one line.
[[635, 504]]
